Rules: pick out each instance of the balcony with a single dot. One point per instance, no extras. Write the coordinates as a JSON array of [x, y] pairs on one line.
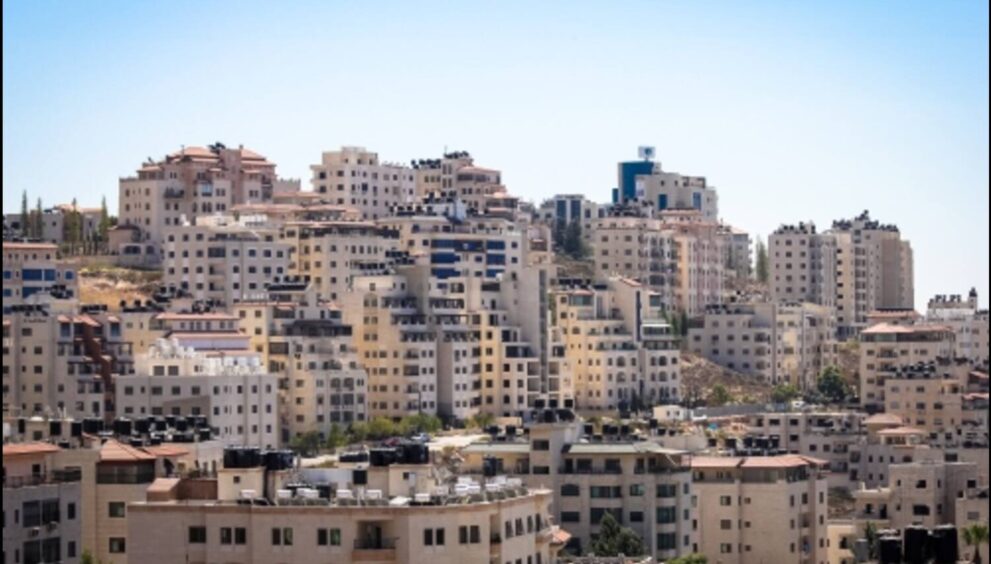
[[55, 477], [374, 550]]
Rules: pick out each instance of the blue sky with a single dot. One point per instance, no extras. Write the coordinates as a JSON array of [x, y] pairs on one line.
[[793, 110]]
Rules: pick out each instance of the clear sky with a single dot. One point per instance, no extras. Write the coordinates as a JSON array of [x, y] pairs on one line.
[[793, 110]]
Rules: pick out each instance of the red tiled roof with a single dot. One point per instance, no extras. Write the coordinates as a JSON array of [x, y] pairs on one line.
[[115, 451], [20, 449], [166, 451]]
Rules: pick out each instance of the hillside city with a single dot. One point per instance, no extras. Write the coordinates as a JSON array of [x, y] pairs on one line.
[[408, 362]]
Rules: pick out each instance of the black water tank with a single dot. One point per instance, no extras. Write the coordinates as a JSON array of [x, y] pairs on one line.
[[137, 442], [553, 403], [122, 427], [539, 403], [205, 434], [730, 443], [252, 457], [92, 425], [565, 415], [170, 421], [359, 476], [653, 423], [76, 428], [713, 442], [588, 429], [22, 426], [181, 424], [142, 426], [748, 442], [511, 430], [943, 545], [916, 544], [231, 457], [569, 404], [55, 429], [774, 442], [890, 550]]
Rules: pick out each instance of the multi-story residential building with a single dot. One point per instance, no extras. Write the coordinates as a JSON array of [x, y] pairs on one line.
[[564, 209], [305, 341], [919, 493], [456, 176], [35, 268], [645, 181], [60, 357], [206, 374], [802, 265], [330, 254], [55, 220], [680, 256], [186, 184], [930, 396], [620, 350], [645, 487], [41, 506], [761, 508], [737, 252], [222, 259], [885, 347], [354, 177], [781, 342], [968, 321], [378, 512]]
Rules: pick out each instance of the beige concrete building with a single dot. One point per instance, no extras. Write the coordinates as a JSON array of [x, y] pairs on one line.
[[63, 358], [680, 256], [858, 266], [455, 176], [54, 222], [565, 209], [620, 350], [381, 516], [885, 347], [186, 184], [645, 181], [802, 265], [305, 341], [223, 259], [968, 321], [209, 374], [355, 177], [35, 268], [929, 396], [920, 493], [645, 487], [737, 252], [330, 254], [41, 506], [761, 508], [781, 342]]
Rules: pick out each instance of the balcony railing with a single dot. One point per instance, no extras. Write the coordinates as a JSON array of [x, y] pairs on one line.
[[54, 477], [375, 544]]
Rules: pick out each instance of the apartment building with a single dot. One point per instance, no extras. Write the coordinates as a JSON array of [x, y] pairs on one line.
[[368, 513], [646, 181], [620, 350], [186, 184], [355, 177], [885, 347], [35, 268], [564, 209], [644, 486], [737, 252], [305, 341], [930, 396], [61, 357], [802, 265], [456, 176], [41, 506], [222, 259], [968, 321], [330, 254], [780, 342], [919, 493], [761, 508], [206, 374], [54, 222]]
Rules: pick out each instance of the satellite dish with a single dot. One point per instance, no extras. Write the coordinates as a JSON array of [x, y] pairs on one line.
[[646, 152]]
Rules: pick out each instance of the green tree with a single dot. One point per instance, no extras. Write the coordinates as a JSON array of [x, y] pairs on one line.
[[38, 227], [25, 215], [481, 421], [614, 539], [88, 558], [689, 559], [306, 443], [975, 535], [573, 244], [873, 540], [784, 393], [381, 428], [718, 396], [358, 432], [422, 423], [336, 437], [761, 267], [104, 220], [832, 385]]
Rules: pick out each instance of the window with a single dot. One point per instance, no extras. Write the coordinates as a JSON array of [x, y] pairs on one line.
[[282, 536], [667, 541], [226, 535], [725, 500], [197, 535], [328, 537], [117, 545], [570, 517], [636, 490], [726, 524], [667, 515], [240, 535], [116, 509], [541, 445], [570, 490], [636, 516], [667, 490]]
